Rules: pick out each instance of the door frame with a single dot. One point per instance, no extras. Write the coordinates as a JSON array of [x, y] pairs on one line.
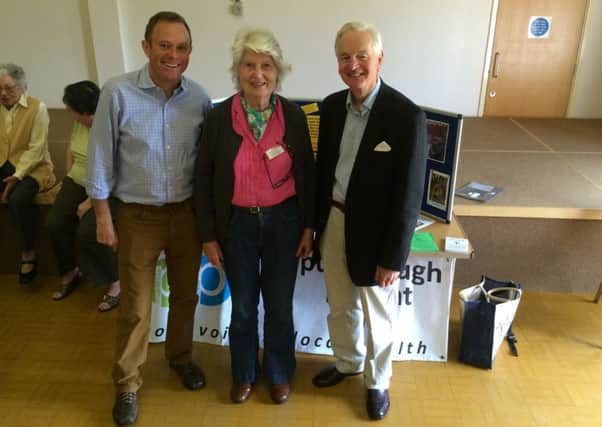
[[489, 53]]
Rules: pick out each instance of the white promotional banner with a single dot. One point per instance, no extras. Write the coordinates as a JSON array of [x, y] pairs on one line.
[[422, 316]]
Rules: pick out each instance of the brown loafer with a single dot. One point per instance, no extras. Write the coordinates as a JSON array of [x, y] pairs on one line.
[[280, 392], [239, 393]]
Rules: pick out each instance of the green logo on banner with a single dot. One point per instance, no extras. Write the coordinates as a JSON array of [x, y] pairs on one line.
[[163, 285]]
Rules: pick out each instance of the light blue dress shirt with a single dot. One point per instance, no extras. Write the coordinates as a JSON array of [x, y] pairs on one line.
[[353, 132], [143, 146]]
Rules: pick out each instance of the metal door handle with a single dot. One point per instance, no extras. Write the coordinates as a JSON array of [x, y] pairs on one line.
[[496, 65]]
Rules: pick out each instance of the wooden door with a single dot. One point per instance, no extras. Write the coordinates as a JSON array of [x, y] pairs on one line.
[[532, 69]]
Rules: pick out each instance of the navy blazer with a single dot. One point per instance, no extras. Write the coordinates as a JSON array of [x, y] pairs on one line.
[[385, 189], [214, 175]]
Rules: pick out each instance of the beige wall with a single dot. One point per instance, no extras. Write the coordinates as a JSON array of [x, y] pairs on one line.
[[434, 49], [586, 99], [49, 39]]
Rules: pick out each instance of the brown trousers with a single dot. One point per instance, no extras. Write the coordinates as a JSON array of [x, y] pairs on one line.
[[143, 232]]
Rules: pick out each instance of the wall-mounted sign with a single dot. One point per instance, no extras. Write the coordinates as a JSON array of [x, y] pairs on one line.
[[539, 27]]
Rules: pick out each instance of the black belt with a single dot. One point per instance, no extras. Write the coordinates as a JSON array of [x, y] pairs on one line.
[[340, 206], [254, 210]]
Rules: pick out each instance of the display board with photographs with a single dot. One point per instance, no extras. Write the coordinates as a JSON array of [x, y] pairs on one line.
[[444, 131]]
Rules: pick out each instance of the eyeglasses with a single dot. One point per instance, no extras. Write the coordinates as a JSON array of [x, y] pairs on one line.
[[10, 90]]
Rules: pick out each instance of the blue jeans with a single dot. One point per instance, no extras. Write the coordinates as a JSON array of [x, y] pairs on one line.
[[259, 257]]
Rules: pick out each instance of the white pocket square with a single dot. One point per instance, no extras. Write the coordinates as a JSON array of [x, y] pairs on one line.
[[382, 147]]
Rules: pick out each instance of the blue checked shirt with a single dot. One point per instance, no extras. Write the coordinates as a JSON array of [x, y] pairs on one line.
[[143, 146]]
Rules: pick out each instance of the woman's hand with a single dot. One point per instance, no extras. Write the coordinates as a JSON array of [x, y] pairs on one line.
[[213, 252], [305, 245], [83, 208], [10, 182]]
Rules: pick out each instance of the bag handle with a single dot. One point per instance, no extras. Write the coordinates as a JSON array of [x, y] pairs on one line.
[[514, 293]]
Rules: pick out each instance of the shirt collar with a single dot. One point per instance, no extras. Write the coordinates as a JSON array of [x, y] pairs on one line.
[[23, 101], [368, 102], [145, 81]]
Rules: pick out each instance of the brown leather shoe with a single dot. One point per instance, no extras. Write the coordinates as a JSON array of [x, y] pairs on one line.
[[190, 374], [239, 393], [280, 392], [125, 409]]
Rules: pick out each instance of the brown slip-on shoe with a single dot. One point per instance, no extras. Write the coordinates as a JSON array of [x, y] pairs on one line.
[[239, 393], [280, 392]]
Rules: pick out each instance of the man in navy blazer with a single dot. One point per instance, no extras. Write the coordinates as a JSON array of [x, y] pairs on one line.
[[371, 164]]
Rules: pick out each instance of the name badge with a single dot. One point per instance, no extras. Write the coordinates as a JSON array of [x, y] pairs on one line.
[[273, 152]]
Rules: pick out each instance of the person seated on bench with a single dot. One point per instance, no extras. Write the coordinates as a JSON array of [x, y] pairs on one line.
[[25, 165], [71, 221]]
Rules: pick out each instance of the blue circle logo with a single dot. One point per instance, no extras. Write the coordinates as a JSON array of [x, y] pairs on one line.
[[213, 286], [540, 26]]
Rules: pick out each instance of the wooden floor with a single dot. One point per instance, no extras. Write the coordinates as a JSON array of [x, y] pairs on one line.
[[56, 357]]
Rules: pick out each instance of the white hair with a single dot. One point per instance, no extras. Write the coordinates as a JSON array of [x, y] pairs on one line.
[[258, 40], [377, 43]]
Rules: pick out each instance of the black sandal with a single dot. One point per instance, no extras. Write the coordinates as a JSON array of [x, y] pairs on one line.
[[27, 278], [67, 288], [111, 302]]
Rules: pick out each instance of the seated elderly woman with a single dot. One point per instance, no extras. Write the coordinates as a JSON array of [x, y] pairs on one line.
[[25, 165], [71, 221], [254, 194]]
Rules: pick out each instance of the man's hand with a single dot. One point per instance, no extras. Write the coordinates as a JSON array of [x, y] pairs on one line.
[[105, 230], [213, 252], [385, 277], [106, 234], [10, 182], [305, 245]]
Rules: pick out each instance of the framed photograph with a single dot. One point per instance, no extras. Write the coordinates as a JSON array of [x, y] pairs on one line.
[[438, 189], [436, 138], [444, 132]]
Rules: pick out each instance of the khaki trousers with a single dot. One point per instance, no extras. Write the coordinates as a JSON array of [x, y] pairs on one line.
[[143, 232], [352, 307]]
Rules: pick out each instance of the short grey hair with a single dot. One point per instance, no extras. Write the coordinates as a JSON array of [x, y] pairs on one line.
[[377, 41], [258, 40], [16, 72]]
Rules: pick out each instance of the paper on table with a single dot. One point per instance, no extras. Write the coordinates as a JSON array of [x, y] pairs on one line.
[[422, 222], [456, 244], [475, 190], [424, 242]]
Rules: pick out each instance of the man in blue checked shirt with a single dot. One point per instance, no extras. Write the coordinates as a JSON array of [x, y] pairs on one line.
[[142, 152]]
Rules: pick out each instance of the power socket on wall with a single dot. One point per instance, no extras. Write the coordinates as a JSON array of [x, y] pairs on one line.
[[236, 7]]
